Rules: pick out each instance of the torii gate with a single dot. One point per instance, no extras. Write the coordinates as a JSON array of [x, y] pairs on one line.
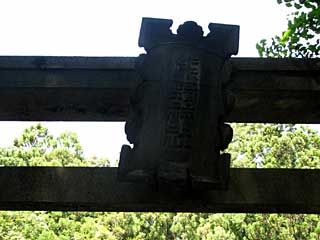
[[98, 89]]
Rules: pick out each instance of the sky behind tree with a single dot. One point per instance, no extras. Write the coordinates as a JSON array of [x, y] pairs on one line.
[[105, 28]]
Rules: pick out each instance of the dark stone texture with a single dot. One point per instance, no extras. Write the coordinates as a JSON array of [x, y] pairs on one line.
[[98, 88], [175, 120], [97, 189]]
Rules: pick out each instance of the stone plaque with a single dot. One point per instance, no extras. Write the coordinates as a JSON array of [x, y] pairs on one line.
[[176, 117]]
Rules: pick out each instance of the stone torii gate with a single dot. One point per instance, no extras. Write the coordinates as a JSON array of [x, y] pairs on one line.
[[99, 89]]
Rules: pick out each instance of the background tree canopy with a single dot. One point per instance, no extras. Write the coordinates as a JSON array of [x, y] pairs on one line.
[[254, 145], [302, 38], [36, 147]]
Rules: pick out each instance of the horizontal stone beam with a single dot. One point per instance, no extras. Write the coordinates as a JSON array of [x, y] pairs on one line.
[[98, 89], [275, 90], [97, 189]]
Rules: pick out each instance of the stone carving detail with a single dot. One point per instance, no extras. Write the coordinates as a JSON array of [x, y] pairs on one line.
[[176, 117]]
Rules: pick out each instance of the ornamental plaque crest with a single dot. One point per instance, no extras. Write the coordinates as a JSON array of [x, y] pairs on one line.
[[176, 114]]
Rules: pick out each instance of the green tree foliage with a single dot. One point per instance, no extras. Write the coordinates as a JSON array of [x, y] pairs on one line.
[[302, 38], [275, 146], [254, 145], [36, 147]]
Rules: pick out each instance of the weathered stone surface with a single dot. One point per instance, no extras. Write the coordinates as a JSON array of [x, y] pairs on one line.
[[98, 89], [97, 189], [175, 122]]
